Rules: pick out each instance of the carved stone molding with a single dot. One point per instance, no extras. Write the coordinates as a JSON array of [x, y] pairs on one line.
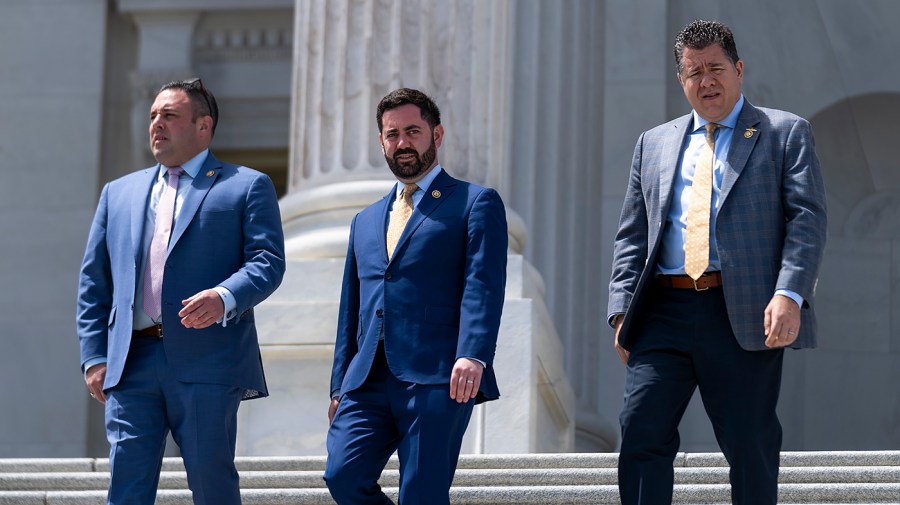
[[243, 43]]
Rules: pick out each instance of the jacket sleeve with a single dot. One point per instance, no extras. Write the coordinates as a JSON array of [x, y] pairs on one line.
[[345, 344], [803, 201], [485, 278], [263, 247], [631, 243], [95, 294]]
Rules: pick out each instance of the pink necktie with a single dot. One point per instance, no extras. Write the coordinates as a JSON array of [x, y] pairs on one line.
[[156, 259]]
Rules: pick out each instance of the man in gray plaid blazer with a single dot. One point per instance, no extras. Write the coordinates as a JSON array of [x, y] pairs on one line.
[[723, 332]]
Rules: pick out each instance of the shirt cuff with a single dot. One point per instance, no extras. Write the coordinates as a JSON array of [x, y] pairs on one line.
[[229, 302], [483, 365], [91, 362], [611, 319], [790, 294]]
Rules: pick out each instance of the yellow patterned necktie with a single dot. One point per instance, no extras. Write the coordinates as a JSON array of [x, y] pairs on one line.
[[403, 208], [696, 241]]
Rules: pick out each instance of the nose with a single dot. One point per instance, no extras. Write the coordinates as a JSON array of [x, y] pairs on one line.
[[707, 80]]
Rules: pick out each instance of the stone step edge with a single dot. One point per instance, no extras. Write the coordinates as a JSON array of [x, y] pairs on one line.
[[550, 495], [473, 461], [468, 477]]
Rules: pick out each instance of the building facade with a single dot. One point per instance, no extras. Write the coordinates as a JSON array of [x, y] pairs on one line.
[[542, 100]]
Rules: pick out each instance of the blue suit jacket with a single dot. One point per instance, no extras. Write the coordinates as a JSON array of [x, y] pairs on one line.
[[770, 230], [438, 299], [228, 233]]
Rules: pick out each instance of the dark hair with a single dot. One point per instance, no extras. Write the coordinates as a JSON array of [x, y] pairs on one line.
[[203, 103], [700, 34], [400, 97]]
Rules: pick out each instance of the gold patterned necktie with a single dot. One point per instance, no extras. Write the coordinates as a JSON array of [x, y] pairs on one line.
[[403, 208], [696, 241]]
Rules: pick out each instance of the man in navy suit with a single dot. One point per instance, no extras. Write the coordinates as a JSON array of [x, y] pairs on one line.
[[165, 306], [423, 290], [717, 319]]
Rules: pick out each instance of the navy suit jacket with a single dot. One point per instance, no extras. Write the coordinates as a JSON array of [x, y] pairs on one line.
[[770, 229], [438, 299], [228, 232]]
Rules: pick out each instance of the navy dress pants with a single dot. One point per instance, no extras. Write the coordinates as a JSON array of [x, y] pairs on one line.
[[685, 342], [421, 422]]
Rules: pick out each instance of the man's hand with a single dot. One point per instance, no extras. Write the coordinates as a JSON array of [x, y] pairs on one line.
[[332, 408], [94, 380], [465, 379], [782, 322], [623, 354], [202, 310]]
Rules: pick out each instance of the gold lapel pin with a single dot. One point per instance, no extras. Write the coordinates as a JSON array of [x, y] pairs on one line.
[[210, 173], [435, 194], [749, 133]]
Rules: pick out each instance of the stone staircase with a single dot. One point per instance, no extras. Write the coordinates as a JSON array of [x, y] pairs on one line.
[[520, 479]]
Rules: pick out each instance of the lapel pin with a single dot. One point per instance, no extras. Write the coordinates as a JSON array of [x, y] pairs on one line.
[[210, 173], [749, 133], [435, 194]]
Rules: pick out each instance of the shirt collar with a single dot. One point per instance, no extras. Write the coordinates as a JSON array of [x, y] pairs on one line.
[[191, 167], [424, 182], [730, 120]]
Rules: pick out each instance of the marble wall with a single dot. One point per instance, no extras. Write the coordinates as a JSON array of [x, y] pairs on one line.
[[553, 99]]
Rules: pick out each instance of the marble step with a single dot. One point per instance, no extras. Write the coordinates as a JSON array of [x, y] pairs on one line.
[[510, 495], [522, 479]]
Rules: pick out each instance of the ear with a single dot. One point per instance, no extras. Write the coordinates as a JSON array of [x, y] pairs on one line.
[[381, 143], [438, 135], [739, 66], [204, 124], [678, 76]]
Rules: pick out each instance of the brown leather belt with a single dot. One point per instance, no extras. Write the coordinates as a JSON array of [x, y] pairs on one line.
[[706, 281], [154, 331]]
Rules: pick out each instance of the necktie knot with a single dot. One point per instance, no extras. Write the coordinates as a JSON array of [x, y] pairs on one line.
[[711, 132], [409, 190], [175, 171]]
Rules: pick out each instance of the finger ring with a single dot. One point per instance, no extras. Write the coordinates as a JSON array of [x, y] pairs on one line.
[[92, 395], [790, 332], [470, 381]]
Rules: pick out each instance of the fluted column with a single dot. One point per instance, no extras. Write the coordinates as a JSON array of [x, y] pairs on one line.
[[350, 53]]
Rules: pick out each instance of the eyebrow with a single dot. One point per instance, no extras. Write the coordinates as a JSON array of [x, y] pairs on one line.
[[405, 128]]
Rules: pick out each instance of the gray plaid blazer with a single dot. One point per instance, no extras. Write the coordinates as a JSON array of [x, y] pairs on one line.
[[770, 228]]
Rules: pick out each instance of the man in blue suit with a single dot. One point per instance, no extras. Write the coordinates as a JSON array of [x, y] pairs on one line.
[[178, 255], [423, 290], [711, 298]]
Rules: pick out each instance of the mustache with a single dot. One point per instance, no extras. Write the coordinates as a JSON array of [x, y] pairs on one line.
[[408, 150]]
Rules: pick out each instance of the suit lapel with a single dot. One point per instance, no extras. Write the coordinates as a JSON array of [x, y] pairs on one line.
[[194, 196], [671, 154], [385, 214], [139, 202], [438, 192], [741, 147]]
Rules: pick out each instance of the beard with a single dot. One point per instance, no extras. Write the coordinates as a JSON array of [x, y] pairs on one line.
[[414, 169]]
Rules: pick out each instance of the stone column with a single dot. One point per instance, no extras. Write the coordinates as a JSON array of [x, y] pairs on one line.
[[348, 55]]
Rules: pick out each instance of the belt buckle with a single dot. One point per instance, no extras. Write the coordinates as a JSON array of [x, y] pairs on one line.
[[698, 288]]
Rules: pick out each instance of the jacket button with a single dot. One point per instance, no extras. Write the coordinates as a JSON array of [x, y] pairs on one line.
[[388, 276], [379, 313]]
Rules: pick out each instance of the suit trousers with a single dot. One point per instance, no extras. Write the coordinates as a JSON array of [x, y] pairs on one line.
[[421, 422], [140, 411], [684, 342]]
